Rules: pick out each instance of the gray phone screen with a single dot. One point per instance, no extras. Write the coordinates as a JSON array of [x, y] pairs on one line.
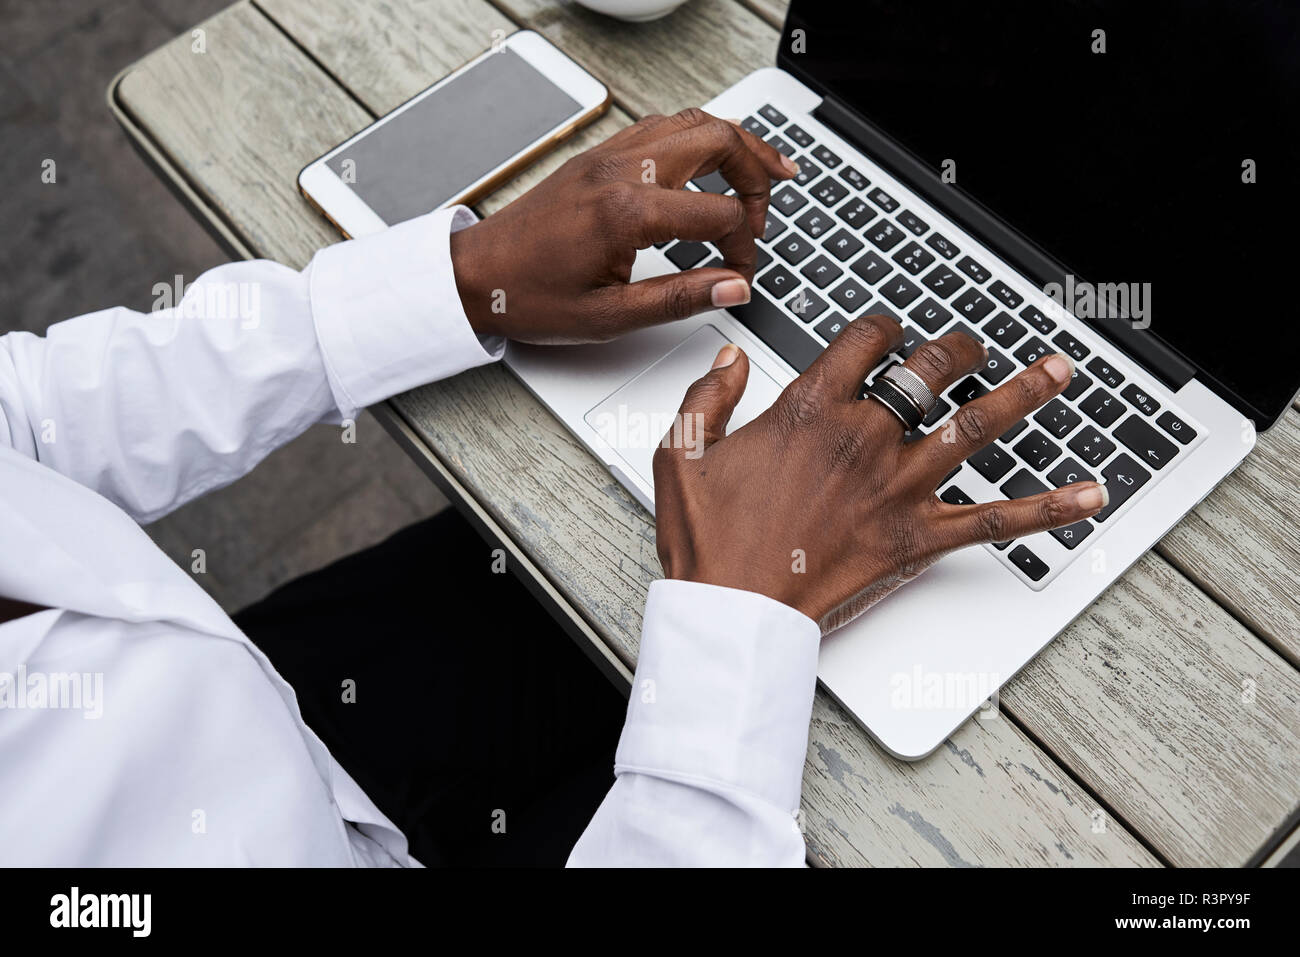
[[419, 160]]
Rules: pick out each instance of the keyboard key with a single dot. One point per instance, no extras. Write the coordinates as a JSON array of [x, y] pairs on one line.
[[771, 114], [792, 248], [955, 496], [1005, 294], [1122, 478], [1176, 427], [829, 191], [1146, 443], [992, 462], [1068, 472], [1022, 485], [789, 200], [851, 295], [821, 272], [714, 182], [854, 178], [940, 411], [827, 157], [752, 125], [969, 330], [842, 244], [930, 316], [782, 334], [913, 258], [799, 135], [872, 268], [1004, 330], [967, 390], [807, 305], [775, 227], [780, 145], [815, 223], [883, 200], [1072, 535], [911, 342], [943, 281], [855, 213], [1033, 567], [1036, 319], [1010, 434], [808, 171], [882, 308], [942, 246], [1038, 450], [761, 259], [1102, 407], [684, 255], [1139, 399], [899, 291], [973, 269], [778, 281], [1079, 384], [831, 326], [1071, 346], [885, 235], [973, 305], [912, 223], [1057, 418], [996, 367], [1032, 351], [1103, 371], [1091, 446]]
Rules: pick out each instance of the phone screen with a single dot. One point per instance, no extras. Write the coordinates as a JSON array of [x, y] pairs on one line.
[[452, 138]]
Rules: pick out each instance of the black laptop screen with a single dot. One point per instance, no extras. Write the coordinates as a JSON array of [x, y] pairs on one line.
[[1121, 154]]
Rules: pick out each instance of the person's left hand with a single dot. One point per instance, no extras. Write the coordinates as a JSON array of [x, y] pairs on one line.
[[554, 266]]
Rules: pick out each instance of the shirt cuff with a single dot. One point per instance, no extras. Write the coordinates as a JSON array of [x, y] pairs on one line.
[[723, 691], [387, 312]]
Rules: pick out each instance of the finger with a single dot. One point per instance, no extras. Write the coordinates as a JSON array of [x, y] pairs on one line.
[[702, 144], [648, 302], [961, 525], [703, 217], [778, 165], [979, 422], [708, 404], [844, 364]]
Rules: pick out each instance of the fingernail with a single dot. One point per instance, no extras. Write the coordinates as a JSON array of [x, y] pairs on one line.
[[790, 165], [1092, 498], [726, 356], [733, 121], [730, 292], [1059, 367]]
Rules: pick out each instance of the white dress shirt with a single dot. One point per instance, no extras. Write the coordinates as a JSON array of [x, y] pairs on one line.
[[139, 726]]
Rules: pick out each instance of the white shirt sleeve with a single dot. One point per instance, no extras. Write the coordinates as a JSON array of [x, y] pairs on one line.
[[154, 409], [710, 763]]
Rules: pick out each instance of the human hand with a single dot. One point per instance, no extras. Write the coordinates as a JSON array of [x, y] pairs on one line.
[[554, 266], [828, 474]]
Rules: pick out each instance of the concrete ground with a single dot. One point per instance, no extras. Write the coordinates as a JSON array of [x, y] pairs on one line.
[[105, 232]]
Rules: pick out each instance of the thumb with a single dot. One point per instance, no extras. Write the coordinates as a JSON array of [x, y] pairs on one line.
[[709, 402], [659, 299]]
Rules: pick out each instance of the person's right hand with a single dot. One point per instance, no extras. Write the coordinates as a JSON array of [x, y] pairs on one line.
[[823, 480]]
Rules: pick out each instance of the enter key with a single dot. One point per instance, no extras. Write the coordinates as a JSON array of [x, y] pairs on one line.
[[1123, 477], [1151, 448]]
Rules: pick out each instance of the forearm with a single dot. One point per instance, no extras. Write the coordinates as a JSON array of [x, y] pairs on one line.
[[711, 758], [153, 409]]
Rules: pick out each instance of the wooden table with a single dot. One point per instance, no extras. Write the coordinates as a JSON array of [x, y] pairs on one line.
[[1163, 726]]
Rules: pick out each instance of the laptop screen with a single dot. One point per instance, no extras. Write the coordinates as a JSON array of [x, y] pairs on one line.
[[1151, 144]]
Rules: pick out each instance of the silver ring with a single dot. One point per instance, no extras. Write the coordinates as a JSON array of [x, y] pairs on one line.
[[913, 386]]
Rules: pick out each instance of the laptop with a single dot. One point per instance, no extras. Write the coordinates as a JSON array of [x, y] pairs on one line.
[[1108, 180]]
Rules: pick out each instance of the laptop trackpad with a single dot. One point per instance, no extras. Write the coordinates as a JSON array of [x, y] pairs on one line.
[[635, 418]]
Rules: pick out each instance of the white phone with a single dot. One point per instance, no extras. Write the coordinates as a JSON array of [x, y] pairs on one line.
[[458, 140]]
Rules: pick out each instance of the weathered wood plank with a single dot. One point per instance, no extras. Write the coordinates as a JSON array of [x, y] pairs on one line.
[[598, 544], [604, 557]]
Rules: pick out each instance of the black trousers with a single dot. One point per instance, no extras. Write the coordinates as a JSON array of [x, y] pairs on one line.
[[469, 717]]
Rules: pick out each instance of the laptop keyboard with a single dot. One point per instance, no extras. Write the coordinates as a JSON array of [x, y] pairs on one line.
[[838, 246]]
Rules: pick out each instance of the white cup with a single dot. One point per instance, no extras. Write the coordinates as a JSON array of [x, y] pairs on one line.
[[634, 11]]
